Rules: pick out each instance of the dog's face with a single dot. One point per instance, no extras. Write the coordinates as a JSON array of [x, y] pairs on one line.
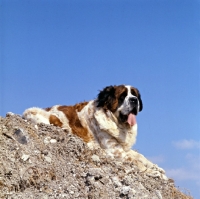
[[123, 101]]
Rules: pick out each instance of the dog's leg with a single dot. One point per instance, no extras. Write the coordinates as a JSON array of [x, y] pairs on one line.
[[144, 165]]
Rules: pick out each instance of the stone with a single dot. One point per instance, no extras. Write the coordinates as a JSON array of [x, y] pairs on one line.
[[25, 157]]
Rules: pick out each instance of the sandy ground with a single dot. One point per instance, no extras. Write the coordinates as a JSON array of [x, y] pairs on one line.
[[44, 162]]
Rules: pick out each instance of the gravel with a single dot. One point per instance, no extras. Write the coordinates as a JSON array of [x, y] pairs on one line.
[[43, 161]]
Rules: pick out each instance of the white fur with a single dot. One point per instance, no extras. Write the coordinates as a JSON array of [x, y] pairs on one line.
[[59, 114], [36, 115], [106, 128]]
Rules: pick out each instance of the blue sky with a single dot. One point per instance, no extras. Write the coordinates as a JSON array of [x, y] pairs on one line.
[[64, 52]]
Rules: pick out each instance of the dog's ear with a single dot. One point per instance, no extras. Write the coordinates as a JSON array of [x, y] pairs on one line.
[[140, 101], [106, 97]]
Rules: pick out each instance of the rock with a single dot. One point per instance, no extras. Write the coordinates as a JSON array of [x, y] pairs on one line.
[[47, 140], [125, 190], [158, 194], [48, 162], [95, 158], [25, 157], [48, 159], [53, 141]]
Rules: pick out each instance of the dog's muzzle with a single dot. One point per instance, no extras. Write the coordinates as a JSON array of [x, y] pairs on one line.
[[134, 103]]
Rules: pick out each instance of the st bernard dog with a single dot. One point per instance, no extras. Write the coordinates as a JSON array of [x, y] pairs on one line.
[[109, 121]]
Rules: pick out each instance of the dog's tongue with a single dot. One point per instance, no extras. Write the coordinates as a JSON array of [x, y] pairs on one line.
[[131, 119]]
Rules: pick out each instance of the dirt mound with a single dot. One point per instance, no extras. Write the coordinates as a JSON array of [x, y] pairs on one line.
[[46, 162]]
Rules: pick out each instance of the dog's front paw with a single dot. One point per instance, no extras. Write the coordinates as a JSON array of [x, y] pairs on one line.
[[157, 168], [145, 166], [156, 173]]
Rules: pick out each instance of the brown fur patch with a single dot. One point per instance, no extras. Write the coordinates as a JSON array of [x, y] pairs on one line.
[[74, 122], [135, 91], [55, 121], [47, 109], [118, 91]]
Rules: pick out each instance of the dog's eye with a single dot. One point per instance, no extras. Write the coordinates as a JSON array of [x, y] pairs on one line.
[[122, 97], [133, 93]]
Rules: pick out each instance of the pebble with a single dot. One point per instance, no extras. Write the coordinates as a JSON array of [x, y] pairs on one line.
[[48, 159], [125, 190], [12, 159], [45, 152], [30, 171], [71, 192], [9, 114], [25, 157], [45, 197], [53, 141], [47, 140], [158, 194], [95, 158]]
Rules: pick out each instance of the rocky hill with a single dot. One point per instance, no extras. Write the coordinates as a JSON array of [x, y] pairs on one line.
[[42, 162]]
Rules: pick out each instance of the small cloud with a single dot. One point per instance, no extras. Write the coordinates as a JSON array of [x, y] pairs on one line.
[[157, 159], [187, 144]]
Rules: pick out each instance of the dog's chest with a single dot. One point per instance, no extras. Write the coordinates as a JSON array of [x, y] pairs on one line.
[[106, 129]]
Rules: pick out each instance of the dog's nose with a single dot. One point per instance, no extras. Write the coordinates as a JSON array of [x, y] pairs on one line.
[[133, 100]]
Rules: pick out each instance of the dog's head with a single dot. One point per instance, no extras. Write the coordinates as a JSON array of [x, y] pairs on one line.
[[124, 101]]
